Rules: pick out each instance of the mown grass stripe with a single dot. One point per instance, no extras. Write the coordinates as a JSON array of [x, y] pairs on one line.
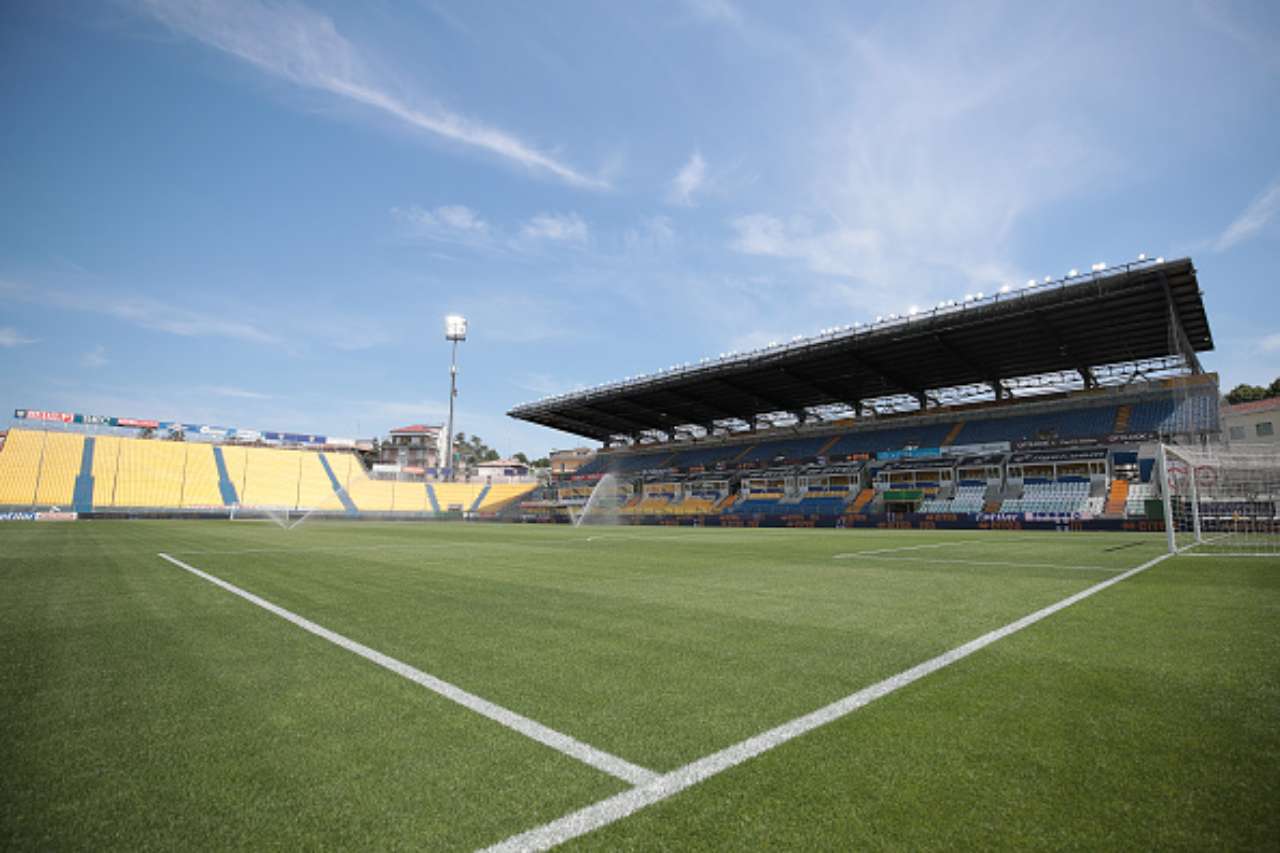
[[619, 806], [587, 754]]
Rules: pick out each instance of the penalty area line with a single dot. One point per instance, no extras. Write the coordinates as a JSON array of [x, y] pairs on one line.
[[563, 743], [849, 555], [619, 806]]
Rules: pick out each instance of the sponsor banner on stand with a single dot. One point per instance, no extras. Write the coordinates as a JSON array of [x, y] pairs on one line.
[[987, 449], [909, 453], [17, 516], [1090, 441], [28, 515], [42, 415]]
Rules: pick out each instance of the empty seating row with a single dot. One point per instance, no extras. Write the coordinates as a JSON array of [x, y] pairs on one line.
[[966, 499], [1052, 498]]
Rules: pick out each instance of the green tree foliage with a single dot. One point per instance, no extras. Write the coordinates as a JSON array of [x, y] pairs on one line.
[[1250, 393], [471, 450]]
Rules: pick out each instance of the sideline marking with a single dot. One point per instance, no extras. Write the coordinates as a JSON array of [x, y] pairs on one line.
[[587, 754], [1000, 563], [615, 808], [851, 554]]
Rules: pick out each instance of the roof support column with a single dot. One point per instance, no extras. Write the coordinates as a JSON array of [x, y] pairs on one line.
[[1177, 331]]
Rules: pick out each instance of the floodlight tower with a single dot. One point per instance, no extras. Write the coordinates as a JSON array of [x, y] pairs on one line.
[[455, 330]]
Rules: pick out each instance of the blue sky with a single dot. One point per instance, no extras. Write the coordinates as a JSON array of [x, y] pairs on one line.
[[256, 214]]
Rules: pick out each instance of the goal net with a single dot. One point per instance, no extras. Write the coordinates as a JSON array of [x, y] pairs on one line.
[[1221, 502]]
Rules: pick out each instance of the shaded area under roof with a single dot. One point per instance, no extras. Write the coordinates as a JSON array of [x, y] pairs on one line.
[[1140, 311]]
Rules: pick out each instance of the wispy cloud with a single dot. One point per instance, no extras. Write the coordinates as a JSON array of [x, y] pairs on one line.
[[688, 181], [10, 337], [718, 11], [304, 47], [95, 358], [1252, 220], [446, 224], [833, 251], [236, 393], [142, 311], [544, 384], [653, 234], [559, 227], [1271, 343], [918, 172]]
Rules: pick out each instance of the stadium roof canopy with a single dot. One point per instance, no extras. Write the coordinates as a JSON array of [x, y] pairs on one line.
[[1120, 315]]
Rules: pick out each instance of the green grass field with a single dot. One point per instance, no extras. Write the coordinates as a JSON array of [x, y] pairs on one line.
[[145, 707]]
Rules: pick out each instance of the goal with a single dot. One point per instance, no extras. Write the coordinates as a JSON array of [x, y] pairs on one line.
[[1221, 501]]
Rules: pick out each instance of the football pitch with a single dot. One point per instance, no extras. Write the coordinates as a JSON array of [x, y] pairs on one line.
[[178, 684]]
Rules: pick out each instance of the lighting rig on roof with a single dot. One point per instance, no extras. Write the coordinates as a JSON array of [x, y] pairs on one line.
[[913, 314]]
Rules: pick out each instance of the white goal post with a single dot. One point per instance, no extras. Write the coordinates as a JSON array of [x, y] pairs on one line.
[[1221, 501]]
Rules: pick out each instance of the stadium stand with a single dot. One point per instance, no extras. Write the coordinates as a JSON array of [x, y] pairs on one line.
[[20, 467], [271, 478], [148, 474], [456, 496], [1055, 498], [60, 460], [966, 499], [201, 481], [502, 494], [1117, 496], [1135, 503]]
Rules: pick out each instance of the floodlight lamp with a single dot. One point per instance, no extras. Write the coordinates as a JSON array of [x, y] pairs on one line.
[[1142, 256], [1099, 266], [455, 328], [879, 319], [913, 310], [1004, 288], [1048, 279], [1160, 260], [1031, 282], [979, 296], [1073, 272]]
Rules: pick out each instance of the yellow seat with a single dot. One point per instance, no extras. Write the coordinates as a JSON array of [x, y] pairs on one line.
[[20, 467]]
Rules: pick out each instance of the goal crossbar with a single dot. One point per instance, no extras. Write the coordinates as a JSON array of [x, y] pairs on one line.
[[1221, 501]]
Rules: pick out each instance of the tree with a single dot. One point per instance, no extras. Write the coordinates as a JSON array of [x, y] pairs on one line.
[[472, 450], [1274, 390], [521, 458], [1249, 393]]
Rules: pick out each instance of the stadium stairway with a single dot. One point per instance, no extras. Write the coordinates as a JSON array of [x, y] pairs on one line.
[[226, 488], [82, 497], [953, 435], [475, 505], [347, 504], [735, 460], [1117, 497], [822, 451], [1121, 426], [864, 497], [431, 499]]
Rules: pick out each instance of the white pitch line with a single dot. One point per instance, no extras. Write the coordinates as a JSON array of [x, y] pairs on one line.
[[1001, 563], [617, 807], [851, 554], [587, 754]]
